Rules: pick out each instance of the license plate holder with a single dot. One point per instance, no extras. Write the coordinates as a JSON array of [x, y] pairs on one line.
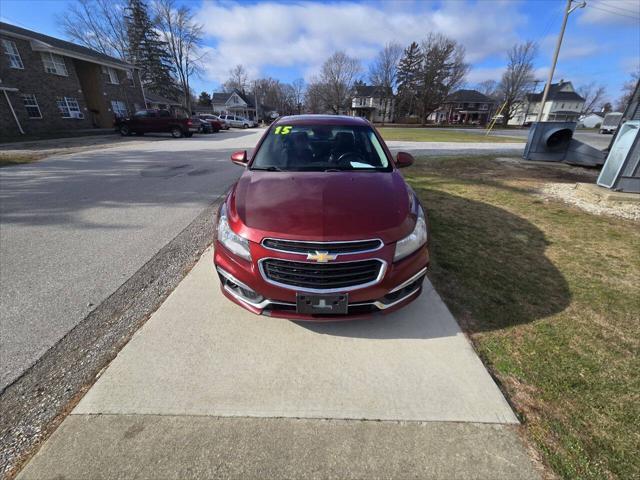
[[327, 304]]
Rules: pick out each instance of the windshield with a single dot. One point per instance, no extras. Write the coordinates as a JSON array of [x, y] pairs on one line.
[[321, 148]]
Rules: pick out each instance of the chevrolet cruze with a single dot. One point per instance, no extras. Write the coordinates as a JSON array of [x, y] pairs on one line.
[[321, 225]]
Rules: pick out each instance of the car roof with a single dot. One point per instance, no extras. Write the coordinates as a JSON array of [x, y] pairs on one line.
[[313, 119]]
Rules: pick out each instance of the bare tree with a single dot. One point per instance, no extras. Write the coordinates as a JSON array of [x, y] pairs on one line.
[[298, 87], [184, 40], [274, 94], [443, 70], [97, 24], [314, 98], [383, 72], [518, 78], [627, 92], [488, 88], [593, 96], [238, 79], [337, 76]]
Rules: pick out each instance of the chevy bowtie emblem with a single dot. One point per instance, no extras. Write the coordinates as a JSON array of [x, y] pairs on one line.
[[321, 257]]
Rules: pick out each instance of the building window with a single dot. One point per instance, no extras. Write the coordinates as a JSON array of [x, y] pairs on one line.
[[111, 75], [11, 51], [31, 105], [69, 107], [130, 76], [54, 64], [484, 106], [119, 108]]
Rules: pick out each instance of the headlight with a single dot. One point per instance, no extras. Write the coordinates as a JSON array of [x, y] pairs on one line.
[[231, 240], [414, 240]]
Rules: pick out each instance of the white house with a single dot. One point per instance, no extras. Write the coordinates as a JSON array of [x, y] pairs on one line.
[[233, 103], [373, 103], [592, 120], [563, 104]]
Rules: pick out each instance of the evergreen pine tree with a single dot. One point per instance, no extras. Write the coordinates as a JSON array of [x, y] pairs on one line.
[[148, 52], [409, 78]]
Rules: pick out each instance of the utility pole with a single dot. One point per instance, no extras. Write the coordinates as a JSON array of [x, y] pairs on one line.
[[255, 99], [567, 11]]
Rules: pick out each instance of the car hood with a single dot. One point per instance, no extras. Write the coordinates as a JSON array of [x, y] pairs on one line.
[[321, 205]]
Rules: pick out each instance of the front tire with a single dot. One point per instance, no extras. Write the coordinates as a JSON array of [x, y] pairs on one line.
[[245, 125], [125, 131], [176, 132]]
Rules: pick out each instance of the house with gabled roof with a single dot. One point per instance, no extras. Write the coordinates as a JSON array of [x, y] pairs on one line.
[[563, 104], [373, 102], [48, 84], [233, 103], [465, 107]]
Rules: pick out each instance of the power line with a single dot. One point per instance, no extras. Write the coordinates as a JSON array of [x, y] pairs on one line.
[[613, 12], [551, 16], [617, 7]]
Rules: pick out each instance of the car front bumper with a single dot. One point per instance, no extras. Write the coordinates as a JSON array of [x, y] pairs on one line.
[[243, 283]]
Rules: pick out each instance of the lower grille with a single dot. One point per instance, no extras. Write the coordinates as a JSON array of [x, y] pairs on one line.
[[328, 276]]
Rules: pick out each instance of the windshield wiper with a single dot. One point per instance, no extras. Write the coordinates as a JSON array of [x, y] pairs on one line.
[[268, 169]]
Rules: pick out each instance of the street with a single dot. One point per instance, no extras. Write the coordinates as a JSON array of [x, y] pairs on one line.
[[74, 228]]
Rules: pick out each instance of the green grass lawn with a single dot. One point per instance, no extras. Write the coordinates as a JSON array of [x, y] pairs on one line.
[[440, 135], [550, 296]]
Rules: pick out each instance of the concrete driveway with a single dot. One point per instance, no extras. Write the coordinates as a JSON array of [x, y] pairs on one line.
[[206, 389], [74, 228]]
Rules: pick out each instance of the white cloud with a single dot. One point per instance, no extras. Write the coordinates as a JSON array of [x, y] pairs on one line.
[[304, 34], [477, 75], [572, 46]]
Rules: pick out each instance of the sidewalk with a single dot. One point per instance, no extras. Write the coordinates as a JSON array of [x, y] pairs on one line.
[[205, 389], [456, 148]]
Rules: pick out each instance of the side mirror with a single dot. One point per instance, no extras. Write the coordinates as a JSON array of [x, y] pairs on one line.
[[404, 159], [240, 158]]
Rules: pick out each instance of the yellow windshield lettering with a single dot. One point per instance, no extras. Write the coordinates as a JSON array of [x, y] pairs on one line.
[[282, 130]]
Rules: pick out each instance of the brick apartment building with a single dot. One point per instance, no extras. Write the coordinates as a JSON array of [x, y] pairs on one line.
[[49, 85]]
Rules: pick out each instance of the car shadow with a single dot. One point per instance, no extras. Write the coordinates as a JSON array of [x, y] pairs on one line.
[[487, 263]]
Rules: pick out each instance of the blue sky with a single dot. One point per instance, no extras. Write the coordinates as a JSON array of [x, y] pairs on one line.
[[290, 39]]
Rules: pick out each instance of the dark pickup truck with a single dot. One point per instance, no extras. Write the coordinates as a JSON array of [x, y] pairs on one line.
[[156, 121]]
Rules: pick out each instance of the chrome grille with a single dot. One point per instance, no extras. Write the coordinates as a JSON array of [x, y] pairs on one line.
[[293, 246], [322, 276]]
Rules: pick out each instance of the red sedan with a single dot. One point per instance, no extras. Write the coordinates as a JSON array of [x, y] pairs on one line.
[[321, 226]]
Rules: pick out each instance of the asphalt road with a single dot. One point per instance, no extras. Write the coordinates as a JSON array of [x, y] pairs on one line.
[[74, 228]]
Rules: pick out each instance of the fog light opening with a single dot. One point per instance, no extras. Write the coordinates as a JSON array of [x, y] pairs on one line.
[[242, 291]]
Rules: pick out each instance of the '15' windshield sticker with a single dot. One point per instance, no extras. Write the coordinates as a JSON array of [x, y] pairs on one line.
[[282, 130]]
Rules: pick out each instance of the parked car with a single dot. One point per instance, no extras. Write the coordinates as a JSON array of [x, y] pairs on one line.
[[610, 122], [223, 124], [321, 225], [156, 121], [203, 125], [238, 122]]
